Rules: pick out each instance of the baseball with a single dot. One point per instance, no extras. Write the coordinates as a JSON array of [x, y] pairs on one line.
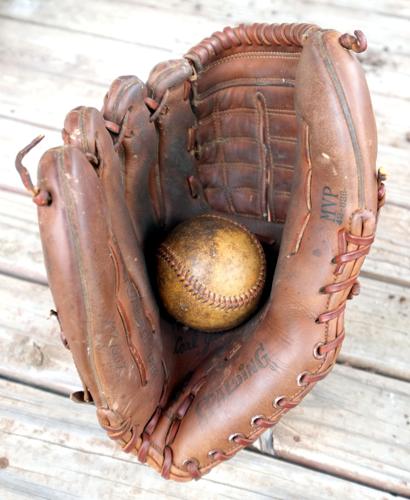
[[210, 273]]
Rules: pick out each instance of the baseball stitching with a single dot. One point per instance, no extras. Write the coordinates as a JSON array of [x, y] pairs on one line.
[[201, 292]]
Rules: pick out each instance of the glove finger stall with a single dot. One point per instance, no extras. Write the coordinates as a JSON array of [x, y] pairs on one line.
[[100, 308]]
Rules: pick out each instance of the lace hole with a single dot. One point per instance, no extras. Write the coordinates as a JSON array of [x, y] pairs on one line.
[[316, 351], [255, 419], [186, 463], [233, 436], [300, 378], [277, 402]]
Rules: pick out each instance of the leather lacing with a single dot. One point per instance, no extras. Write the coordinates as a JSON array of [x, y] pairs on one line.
[[121, 431], [156, 108], [351, 283], [146, 435], [126, 427], [264, 34], [320, 350], [192, 465], [381, 188], [257, 34], [42, 197], [357, 43], [118, 129], [39, 196]]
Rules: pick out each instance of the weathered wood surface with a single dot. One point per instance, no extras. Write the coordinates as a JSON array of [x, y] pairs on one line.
[[385, 22], [38, 429], [375, 14], [355, 424], [81, 74], [351, 414], [30, 336], [389, 256], [88, 55], [369, 343]]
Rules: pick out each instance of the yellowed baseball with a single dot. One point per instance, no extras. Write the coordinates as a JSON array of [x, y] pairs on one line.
[[210, 273]]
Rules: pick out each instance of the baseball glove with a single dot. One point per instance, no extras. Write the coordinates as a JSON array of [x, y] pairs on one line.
[[269, 125]]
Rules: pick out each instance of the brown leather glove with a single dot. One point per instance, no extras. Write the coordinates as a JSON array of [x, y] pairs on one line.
[[271, 125]]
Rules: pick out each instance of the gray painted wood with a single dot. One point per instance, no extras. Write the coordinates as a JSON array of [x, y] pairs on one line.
[[53, 448], [380, 345], [342, 427]]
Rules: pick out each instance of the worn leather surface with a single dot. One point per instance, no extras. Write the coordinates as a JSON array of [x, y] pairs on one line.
[[210, 273], [270, 125]]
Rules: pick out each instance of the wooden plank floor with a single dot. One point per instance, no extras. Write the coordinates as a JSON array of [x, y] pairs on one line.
[[350, 438]]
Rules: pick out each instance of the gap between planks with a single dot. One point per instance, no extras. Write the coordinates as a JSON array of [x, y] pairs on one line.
[[213, 15], [345, 424], [63, 84], [389, 257], [368, 344], [81, 57], [64, 446]]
